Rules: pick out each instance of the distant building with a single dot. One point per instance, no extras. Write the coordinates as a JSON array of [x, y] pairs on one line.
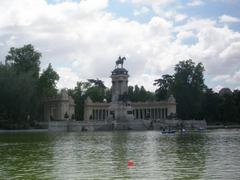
[[153, 110], [119, 114], [60, 107], [122, 110]]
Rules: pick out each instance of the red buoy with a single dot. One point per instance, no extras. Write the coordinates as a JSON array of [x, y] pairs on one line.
[[131, 163]]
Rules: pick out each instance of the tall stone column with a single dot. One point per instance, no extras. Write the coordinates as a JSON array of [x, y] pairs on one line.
[[120, 109]]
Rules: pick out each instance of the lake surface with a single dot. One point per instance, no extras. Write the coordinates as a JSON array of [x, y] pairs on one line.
[[213, 154]]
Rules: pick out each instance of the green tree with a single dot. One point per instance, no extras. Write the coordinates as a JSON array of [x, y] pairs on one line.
[[228, 109], [95, 89], [236, 96], [24, 60], [97, 83], [79, 96], [17, 96], [108, 94], [47, 82], [20, 100], [136, 94], [211, 106], [188, 89], [130, 93], [187, 85], [165, 86], [19, 76]]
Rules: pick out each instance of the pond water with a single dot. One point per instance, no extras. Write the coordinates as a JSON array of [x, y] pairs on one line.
[[213, 154]]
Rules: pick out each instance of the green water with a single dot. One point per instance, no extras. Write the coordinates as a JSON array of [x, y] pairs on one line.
[[104, 155]]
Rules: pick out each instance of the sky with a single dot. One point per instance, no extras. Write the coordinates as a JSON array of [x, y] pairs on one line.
[[82, 39]]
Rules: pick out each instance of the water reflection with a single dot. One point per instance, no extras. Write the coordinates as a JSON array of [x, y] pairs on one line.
[[191, 154], [25, 155], [104, 155], [119, 151]]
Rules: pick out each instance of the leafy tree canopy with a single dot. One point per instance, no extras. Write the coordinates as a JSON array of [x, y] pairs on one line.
[[47, 82], [187, 85], [25, 59]]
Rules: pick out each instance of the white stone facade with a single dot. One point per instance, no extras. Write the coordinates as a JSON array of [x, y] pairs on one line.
[[121, 110], [56, 108], [155, 110]]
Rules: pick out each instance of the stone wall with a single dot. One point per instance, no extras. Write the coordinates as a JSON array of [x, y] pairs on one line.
[[77, 126], [141, 110], [56, 107]]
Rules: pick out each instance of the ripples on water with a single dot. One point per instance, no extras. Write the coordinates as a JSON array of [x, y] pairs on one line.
[[104, 155]]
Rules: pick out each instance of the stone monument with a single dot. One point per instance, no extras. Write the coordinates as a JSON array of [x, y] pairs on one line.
[[120, 109]]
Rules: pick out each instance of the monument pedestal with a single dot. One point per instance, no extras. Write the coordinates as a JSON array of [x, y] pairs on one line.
[[120, 115]]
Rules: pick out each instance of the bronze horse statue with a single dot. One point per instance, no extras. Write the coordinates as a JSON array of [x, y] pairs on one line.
[[120, 61]]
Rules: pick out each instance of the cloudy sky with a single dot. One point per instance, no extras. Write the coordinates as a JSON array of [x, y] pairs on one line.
[[83, 39]]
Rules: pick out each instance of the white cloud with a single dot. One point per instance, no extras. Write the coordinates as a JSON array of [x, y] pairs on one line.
[[228, 19], [83, 40], [142, 11], [217, 88], [195, 3], [160, 23], [158, 6], [180, 17], [223, 77], [216, 47], [153, 2], [231, 52], [67, 78], [183, 35], [231, 80], [236, 77]]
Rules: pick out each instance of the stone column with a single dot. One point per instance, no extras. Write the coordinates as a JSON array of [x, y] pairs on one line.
[[96, 114], [149, 113], [101, 114], [155, 112], [151, 116], [166, 112], [160, 113], [104, 114], [93, 114], [163, 113]]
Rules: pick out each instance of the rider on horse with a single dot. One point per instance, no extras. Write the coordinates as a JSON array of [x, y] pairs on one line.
[[120, 61]]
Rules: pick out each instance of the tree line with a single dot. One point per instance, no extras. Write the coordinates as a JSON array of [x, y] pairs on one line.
[[194, 99], [23, 86]]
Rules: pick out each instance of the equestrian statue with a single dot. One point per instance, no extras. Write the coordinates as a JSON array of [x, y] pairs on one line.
[[120, 61]]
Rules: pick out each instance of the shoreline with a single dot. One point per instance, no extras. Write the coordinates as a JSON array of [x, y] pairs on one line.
[[23, 130], [223, 126], [209, 127]]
